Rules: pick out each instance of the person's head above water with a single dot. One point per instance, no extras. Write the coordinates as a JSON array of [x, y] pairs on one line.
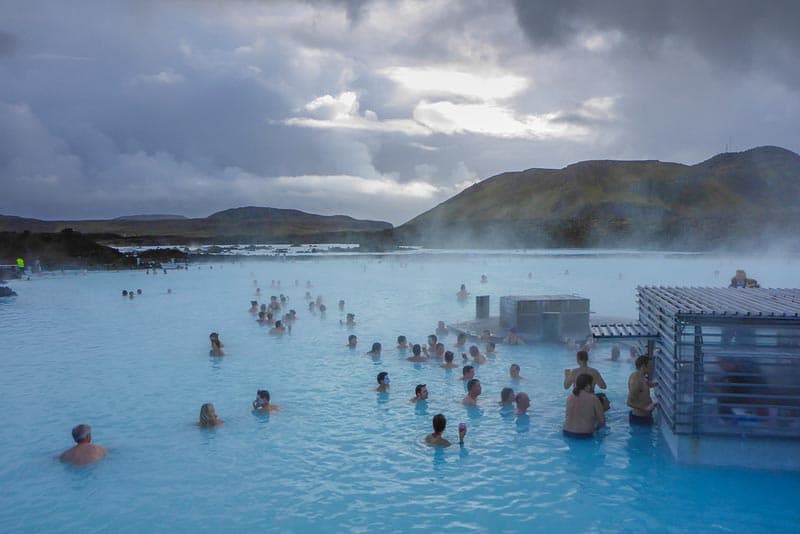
[[439, 423], [416, 350], [468, 371], [474, 387], [383, 378], [581, 383], [208, 416], [473, 350], [82, 433], [514, 370], [507, 396], [401, 340], [523, 402], [352, 340], [421, 391], [448, 356], [376, 348], [582, 356]]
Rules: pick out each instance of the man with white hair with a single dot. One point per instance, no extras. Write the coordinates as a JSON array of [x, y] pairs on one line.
[[84, 452]]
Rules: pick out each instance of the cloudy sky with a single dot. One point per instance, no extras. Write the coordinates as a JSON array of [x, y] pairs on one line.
[[375, 109]]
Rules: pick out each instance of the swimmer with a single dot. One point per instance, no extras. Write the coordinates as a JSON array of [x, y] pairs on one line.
[[376, 350], [258, 291], [439, 424], [639, 400], [432, 341], [341, 305], [322, 310], [216, 348], [487, 335], [441, 329], [416, 354], [523, 403], [476, 355], [277, 329], [513, 337], [383, 382], [262, 403], [208, 416], [420, 394], [462, 293], [473, 392], [352, 341], [439, 354], [402, 343], [584, 412], [461, 341], [467, 372], [262, 307], [83, 453], [614, 354], [448, 361], [506, 397], [270, 318], [274, 305], [351, 320], [138, 291], [490, 348], [312, 307], [513, 372], [262, 318], [124, 292], [253, 306], [484, 279], [570, 375]]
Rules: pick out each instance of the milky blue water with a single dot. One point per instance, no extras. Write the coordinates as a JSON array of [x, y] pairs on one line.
[[339, 457]]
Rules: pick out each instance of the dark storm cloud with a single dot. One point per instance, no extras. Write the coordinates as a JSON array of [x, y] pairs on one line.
[[740, 34]]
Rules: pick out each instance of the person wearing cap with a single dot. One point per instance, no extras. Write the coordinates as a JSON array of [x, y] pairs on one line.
[[420, 393], [383, 382], [84, 452]]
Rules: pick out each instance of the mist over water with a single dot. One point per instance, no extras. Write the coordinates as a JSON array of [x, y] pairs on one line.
[[338, 456]]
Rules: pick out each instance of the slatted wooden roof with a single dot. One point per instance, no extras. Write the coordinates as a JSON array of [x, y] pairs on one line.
[[622, 331], [723, 301]]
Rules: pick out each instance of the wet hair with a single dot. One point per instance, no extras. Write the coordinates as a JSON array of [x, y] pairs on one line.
[[351, 337], [416, 349], [474, 349], [401, 340], [471, 383], [583, 356], [418, 389], [207, 414], [213, 335], [433, 339], [490, 344], [466, 369], [581, 382], [381, 376], [263, 394], [439, 423], [253, 303], [278, 323], [376, 347], [124, 292], [81, 433], [448, 356], [515, 366], [642, 361], [507, 395], [463, 287]]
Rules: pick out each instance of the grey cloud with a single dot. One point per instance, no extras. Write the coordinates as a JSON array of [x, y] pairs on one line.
[[732, 33], [8, 43]]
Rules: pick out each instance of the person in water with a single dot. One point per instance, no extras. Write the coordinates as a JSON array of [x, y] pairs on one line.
[[461, 341], [216, 345], [253, 306], [416, 354], [523, 403], [513, 372], [476, 355], [352, 341], [402, 343], [375, 352], [420, 393], [490, 348], [441, 329], [439, 424], [462, 293], [513, 337], [278, 329], [584, 412], [84, 452], [383, 382], [639, 400], [473, 392], [351, 320], [506, 397], [208, 416], [262, 403], [448, 361], [467, 373], [570, 375]]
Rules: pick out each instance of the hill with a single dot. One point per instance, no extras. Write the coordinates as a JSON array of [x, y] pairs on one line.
[[732, 199], [239, 225]]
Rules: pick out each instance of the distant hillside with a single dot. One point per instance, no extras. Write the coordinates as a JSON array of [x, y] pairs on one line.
[[149, 217], [732, 199], [239, 225]]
